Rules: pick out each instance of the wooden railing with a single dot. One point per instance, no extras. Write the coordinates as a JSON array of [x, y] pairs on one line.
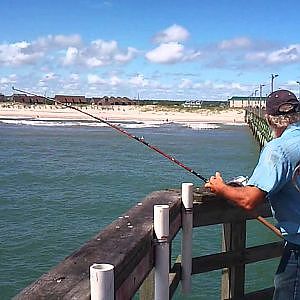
[[258, 125], [128, 244]]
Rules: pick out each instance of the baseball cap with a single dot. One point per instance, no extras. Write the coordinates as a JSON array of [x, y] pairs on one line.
[[282, 102]]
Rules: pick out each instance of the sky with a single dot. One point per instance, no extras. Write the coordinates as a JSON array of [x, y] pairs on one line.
[[176, 50]]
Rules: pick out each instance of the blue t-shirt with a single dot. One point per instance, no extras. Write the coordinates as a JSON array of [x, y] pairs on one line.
[[273, 174]]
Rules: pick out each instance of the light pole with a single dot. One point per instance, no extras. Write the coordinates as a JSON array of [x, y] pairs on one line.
[[255, 96], [260, 93], [299, 89], [273, 76]]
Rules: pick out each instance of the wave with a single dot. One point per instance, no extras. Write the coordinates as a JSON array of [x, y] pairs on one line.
[[72, 123], [124, 124], [200, 125]]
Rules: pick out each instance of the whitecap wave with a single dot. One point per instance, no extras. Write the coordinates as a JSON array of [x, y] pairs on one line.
[[142, 124], [236, 124], [72, 123], [200, 125]]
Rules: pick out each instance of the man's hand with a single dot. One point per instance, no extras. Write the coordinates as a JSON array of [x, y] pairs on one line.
[[247, 197], [216, 183]]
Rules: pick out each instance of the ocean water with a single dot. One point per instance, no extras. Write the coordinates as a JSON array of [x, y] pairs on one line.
[[63, 182]]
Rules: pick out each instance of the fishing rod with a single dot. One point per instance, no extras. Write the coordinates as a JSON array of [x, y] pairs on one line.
[[123, 131], [141, 140]]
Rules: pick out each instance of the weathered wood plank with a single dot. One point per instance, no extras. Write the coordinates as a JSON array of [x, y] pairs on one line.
[[265, 294], [233, 278], [222, 260], [209, 210], [175, 276], [129, 247]]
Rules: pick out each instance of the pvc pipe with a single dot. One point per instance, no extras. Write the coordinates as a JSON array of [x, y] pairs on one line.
[[187, 194], [162, 264], [161, 221], [187, 232], [102, 282]]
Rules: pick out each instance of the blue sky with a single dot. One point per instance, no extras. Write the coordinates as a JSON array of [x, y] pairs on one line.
[[181, 50]]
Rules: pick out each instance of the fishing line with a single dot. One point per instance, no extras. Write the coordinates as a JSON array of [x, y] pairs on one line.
[[142, 140]]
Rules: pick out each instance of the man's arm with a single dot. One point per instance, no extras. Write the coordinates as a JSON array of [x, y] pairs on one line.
[[248, 197]]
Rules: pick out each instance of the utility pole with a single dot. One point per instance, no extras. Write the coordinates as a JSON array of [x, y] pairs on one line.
[[273, 76]]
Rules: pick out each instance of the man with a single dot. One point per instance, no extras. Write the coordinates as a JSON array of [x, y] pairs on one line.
[[275, 179]]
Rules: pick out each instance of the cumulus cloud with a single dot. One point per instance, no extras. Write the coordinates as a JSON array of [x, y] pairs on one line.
[[71, 56], [51, 42], [286, 55], [99, 53], [96, 54], [15, 54], [26, 53], [174, 33], [169, 53], [94, 79]]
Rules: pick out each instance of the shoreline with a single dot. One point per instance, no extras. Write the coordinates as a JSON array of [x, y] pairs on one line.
[[123, 113]]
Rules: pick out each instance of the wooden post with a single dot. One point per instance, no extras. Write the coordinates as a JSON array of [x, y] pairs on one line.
[[233, 279]]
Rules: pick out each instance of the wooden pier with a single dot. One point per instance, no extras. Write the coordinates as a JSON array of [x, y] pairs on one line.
[[129, 242], [254, 117]]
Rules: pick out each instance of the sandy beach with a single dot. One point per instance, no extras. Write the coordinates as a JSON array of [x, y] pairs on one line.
[[123, 113]]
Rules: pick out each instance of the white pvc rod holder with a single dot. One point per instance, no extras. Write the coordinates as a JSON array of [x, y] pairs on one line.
[[162, 264], [187, 234], [102, 281]]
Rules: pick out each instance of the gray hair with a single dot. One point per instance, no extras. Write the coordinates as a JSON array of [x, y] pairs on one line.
[[282, 121]]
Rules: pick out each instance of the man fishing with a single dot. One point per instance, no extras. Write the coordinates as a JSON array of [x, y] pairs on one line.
[[276, 179]]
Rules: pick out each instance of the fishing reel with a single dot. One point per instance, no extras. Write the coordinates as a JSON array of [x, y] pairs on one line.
[[238, 181]]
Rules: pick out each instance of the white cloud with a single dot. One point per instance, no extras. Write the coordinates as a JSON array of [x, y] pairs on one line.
[[25, 53], [166, 53], [287, 55], [50, 48], [174, 33], [15, 54], [71, 56], [74, 77], [185, 84], [7, 80], [95, 79], [49, 76], [237, 43], [115, 81], [139, 81], [55, 42], [170, 53], [99, 53], [125, 57]]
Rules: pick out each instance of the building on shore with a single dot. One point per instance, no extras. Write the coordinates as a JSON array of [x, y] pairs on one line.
[[241, 102], [67, 99], [25, 99], [112, 101]]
